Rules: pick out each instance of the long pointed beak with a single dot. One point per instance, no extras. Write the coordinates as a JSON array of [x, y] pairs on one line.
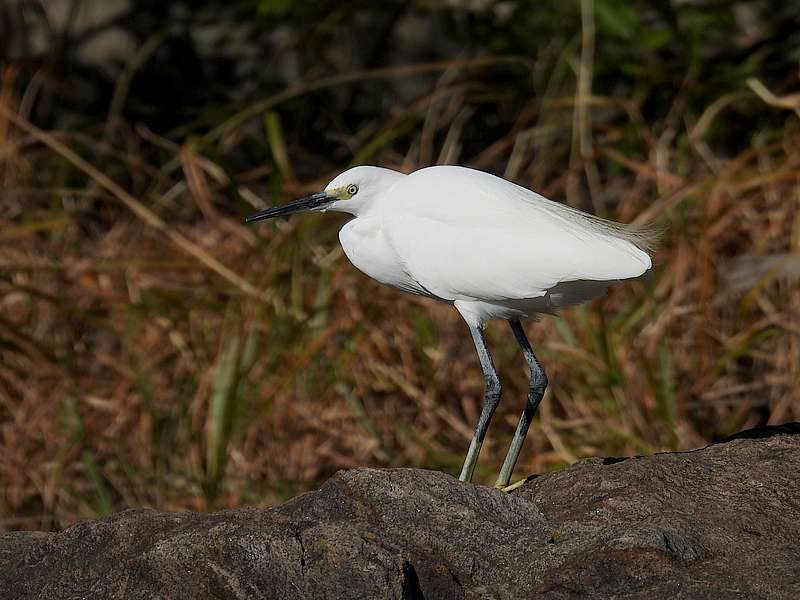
[[303, 204]]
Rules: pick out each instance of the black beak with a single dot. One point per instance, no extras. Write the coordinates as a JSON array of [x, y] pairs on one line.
[[308, 203]]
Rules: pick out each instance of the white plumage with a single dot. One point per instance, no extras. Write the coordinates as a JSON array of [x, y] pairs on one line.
[[493, 248], [486, 245]]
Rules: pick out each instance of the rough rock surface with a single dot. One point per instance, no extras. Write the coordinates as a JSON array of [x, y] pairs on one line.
[[721, 522]]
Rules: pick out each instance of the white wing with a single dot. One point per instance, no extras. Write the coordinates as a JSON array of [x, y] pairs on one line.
[[465, 234]]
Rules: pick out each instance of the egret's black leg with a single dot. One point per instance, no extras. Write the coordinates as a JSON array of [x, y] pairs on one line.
[[491, 398], [535, 392]]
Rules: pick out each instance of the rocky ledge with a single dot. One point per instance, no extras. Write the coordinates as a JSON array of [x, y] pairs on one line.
[[720, 522]]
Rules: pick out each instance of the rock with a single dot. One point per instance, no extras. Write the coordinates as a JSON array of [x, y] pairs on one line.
[[721, 522]]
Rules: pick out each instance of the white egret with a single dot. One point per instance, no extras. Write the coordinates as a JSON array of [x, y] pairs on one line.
[[487, 246]]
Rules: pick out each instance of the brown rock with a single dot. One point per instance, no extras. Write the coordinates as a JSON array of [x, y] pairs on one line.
[[721, 522]]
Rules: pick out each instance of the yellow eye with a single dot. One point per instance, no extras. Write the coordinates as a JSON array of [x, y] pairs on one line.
[[352, 189]]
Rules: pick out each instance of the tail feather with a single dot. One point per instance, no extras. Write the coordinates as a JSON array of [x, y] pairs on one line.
[[644, 236]]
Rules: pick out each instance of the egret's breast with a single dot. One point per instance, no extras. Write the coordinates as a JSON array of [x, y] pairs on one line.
[[366, 245]]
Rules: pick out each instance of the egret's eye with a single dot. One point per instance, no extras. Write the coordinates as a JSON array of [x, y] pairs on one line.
[[352, 189]]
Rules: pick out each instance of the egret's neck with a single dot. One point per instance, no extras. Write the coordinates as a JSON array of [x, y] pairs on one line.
[[361, 205]]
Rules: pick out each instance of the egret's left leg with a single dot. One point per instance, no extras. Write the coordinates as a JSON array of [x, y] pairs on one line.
[[535, 392]]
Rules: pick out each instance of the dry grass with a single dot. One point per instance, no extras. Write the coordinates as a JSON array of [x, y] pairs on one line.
[[154, 351]]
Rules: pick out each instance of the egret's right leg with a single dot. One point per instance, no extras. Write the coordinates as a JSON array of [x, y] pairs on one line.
[[535, 393], [491, 398]]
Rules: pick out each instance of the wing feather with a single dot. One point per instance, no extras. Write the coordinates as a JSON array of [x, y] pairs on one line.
[[466, 234]]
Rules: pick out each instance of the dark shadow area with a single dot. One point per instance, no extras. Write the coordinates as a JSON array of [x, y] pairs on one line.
[[792, 428], [612, 460]]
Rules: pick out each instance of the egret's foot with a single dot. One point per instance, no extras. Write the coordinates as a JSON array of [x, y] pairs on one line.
[[515, 485]]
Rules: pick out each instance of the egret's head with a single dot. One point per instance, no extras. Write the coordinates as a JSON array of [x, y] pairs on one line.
[[352, 192]]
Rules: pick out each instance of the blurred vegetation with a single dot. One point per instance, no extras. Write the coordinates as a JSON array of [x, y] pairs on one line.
[[154, 351]]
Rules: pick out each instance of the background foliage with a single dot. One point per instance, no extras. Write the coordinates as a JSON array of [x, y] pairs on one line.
[[154, 351]]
